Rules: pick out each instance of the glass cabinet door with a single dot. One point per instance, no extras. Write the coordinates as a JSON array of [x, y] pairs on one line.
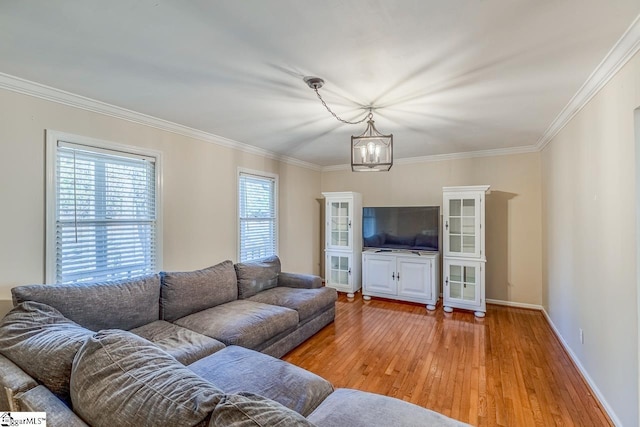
[[462, 282], [462, 226], [339, 269], [339, 224]]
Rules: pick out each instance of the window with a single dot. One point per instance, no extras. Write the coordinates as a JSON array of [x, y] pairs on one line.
[[102, 210], [257, 201]]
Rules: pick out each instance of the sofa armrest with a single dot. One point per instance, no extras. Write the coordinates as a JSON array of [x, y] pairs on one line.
[[40, 399], [294, 280], [13, 380]]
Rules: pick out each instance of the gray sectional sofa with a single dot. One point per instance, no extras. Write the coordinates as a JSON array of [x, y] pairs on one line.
[[192, 348]]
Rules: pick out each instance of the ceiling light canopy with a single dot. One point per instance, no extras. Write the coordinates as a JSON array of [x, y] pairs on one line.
[[371, 151]]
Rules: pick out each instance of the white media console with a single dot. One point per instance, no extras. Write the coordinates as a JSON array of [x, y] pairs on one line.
[[401, 275]]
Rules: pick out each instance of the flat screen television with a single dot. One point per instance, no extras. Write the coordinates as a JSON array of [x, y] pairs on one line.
[[415, 228]]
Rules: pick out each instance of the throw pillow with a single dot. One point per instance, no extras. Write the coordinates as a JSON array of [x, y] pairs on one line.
[[252, 410], [187, 292], [256, 276], [41, 341], [120, 379]]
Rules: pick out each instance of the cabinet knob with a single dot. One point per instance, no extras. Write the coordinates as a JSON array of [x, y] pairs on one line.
[[349, 271], [446, 281], [393, 275], [398, 276], [446, 225]]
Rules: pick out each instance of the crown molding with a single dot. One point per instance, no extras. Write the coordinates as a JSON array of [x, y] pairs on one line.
[[626, 47], [451, 156], [468, 155], [48, 93]]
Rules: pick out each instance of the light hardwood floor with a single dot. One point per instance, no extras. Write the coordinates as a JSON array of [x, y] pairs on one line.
[[507, 369]]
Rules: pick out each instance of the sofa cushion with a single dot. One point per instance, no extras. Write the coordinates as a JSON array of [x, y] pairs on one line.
[[307, 302], [250, 410], [241, 322], [354, 408], [122, 305], [256, 276], [41, 341], [237, 369], [188, 292], [121, 379], [183, 344]]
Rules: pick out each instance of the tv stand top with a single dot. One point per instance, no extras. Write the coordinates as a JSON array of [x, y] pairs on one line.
[[400, 251]]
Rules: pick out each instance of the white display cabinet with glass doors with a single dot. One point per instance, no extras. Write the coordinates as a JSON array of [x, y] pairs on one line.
[[343, 241], [464, 248]]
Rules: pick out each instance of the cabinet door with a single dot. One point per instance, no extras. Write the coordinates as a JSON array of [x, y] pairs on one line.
[[462, 225], [339, 216], [339, 270], [462, 282], [414, 277], [379, 274]]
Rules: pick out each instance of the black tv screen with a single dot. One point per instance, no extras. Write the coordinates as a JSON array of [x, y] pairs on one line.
[[401, 227]]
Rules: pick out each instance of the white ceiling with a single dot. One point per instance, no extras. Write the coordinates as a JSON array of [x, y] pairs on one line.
[[445, 76]]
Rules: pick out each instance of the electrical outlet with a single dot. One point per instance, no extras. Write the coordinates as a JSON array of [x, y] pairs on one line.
[[581, 336]]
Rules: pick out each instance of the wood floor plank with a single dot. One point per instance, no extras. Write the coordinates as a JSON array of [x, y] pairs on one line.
[[507, 369]]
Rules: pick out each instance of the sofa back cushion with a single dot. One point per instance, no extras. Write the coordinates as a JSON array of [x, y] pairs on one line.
[[41, 341], [113, 305], [188, 292], [256, 276], [120, 379]]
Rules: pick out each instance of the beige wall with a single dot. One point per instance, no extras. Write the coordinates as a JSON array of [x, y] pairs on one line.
[[199, 192], [513, 230], [589, 239]]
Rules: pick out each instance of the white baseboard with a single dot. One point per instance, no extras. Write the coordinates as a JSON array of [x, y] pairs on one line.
[[572, 355], [515, 304], [583, 371]]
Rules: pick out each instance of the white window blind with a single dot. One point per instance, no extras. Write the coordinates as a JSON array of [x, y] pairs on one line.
[[105, 214], [257, 216]]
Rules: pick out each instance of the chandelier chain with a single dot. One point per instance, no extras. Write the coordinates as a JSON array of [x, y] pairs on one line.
[[368, 116]]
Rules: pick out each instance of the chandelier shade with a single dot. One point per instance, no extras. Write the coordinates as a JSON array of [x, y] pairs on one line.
[[371, 151]]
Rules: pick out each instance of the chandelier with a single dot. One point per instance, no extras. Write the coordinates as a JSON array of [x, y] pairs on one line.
[[371, 151]]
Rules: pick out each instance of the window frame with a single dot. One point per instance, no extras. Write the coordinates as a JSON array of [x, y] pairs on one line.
[[52, 138], [259, 174]]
